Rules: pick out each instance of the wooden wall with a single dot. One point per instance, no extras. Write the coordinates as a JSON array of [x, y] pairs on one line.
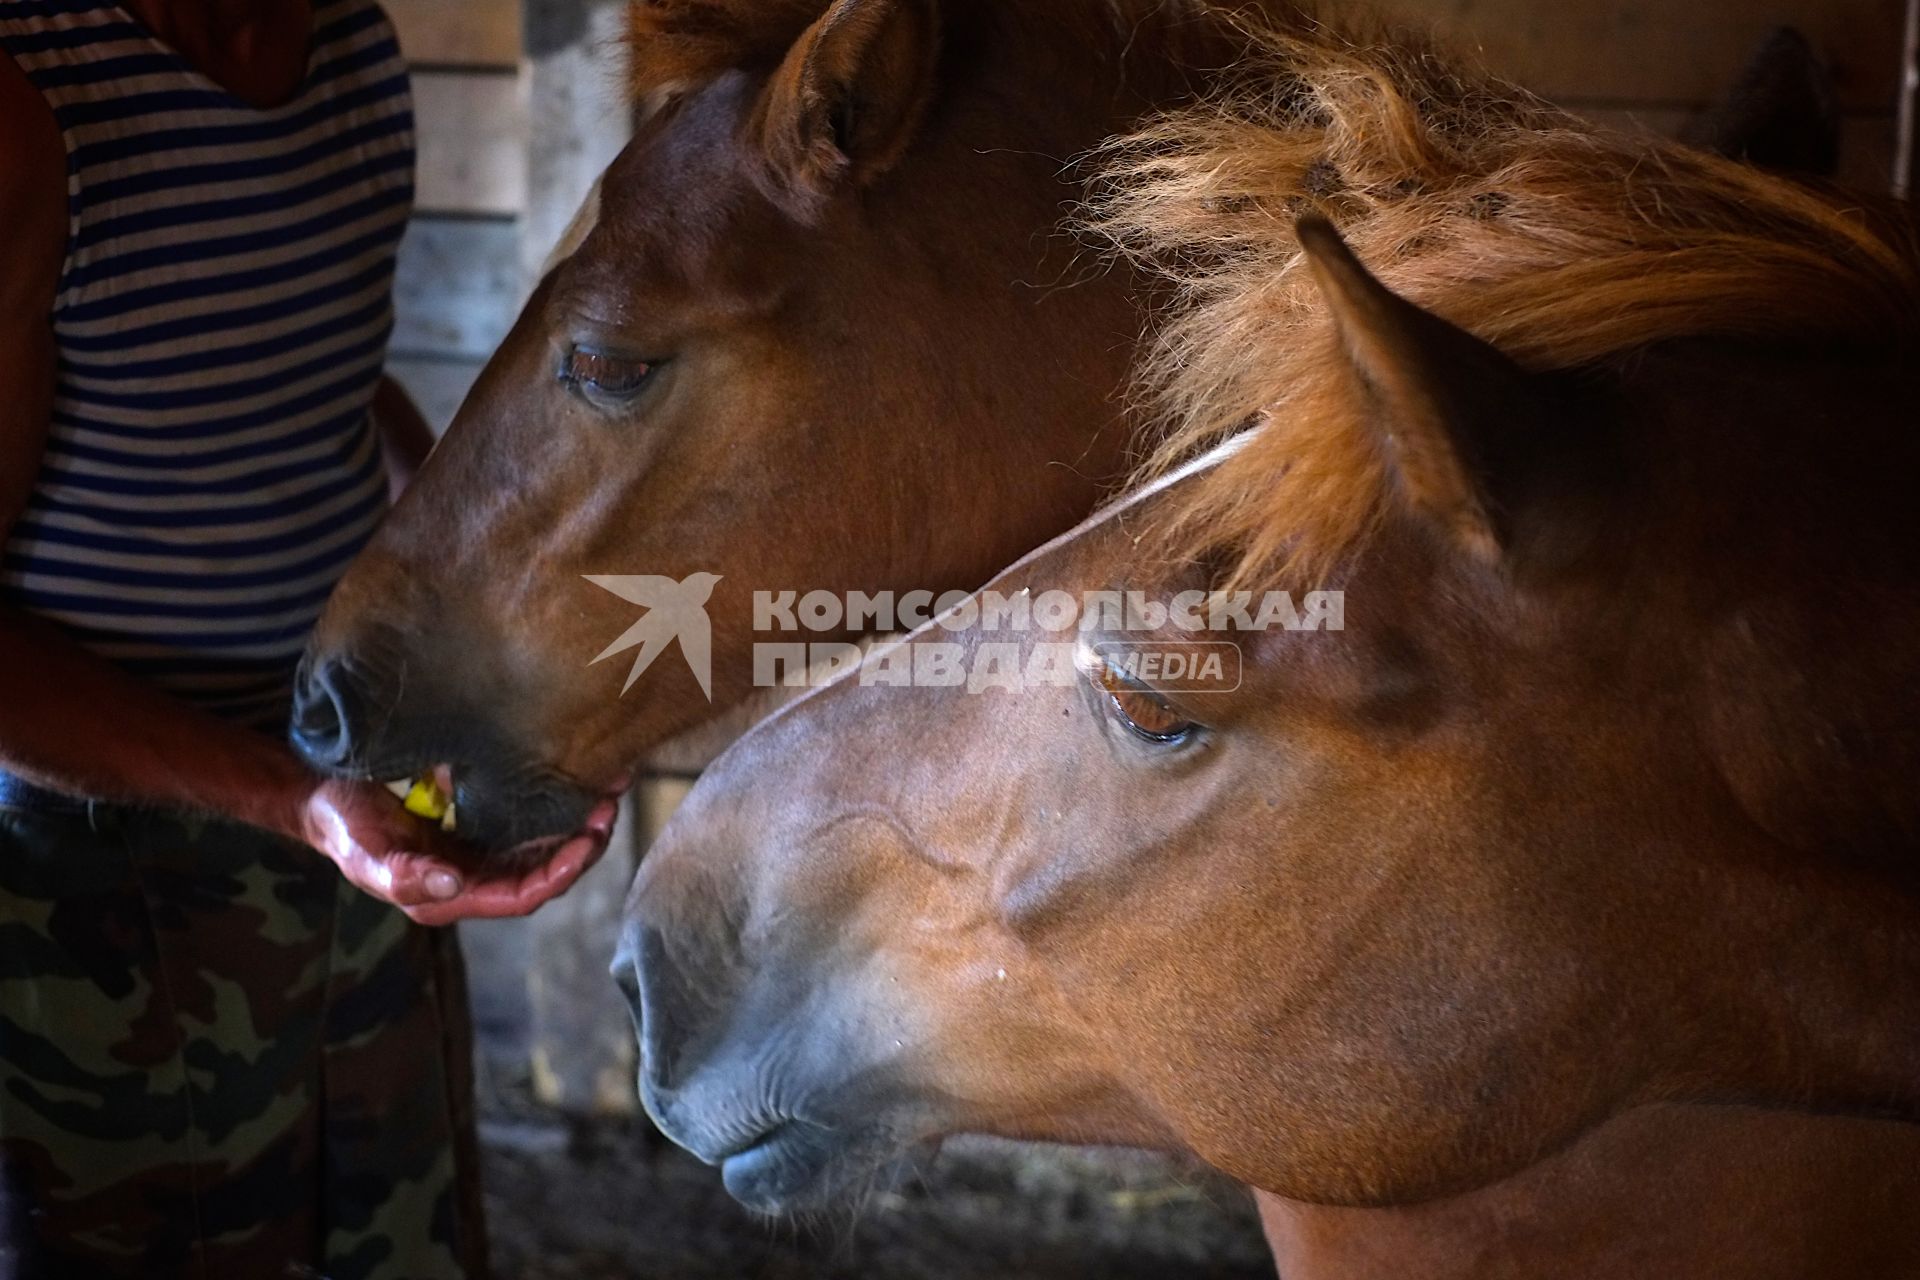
[[1657, 63], [459, 282]]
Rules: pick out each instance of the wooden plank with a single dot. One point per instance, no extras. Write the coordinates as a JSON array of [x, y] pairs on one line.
[[583, 1046], [456, 288], [437, 386], [1867, 152], [580, 113], [1672, 52], [1866, 142], [458, 32], [473, 141], [584, 1054]]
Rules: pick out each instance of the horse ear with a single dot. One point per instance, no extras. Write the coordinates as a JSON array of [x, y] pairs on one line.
[[850, 95], [1781, 114], [1448, 406]]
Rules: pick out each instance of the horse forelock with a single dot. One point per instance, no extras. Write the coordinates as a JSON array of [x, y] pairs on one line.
[[1562, 243], [679, 44]]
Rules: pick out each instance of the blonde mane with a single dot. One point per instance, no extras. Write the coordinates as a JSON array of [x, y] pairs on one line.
[[1562, 243]]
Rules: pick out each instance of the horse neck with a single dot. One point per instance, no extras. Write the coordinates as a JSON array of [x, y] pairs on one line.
[[1731, 1193], [1808, 993], [992, 180], [1780, 645]]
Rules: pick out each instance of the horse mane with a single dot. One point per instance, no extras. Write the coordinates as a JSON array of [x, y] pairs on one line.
[[1561, 242]]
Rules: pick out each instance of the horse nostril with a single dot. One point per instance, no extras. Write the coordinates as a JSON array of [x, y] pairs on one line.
[[626, 974], [665, 1011], [322, 727]]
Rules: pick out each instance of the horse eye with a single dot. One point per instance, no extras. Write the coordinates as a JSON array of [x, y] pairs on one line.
[[605, 374], [1143, 711]]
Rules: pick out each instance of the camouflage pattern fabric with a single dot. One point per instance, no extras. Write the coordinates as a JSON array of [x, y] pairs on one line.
[[219, 1061]]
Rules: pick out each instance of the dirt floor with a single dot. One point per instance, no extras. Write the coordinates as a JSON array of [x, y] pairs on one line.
[[612, 1200]]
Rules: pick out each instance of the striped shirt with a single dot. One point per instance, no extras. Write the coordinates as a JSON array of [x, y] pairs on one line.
[[221, 324]]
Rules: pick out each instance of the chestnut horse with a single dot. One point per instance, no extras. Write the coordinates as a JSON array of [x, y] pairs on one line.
[[1596, 817], [826, 289]]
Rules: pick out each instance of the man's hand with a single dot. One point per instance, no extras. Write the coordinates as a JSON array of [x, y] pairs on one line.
[[387, 852]]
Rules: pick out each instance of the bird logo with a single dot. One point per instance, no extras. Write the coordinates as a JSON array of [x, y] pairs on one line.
[[674, 611]]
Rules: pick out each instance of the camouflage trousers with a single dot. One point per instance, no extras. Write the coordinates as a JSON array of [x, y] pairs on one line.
[[219, 1061]]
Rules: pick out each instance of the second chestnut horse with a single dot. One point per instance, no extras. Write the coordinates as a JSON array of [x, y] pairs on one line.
[[1595, 818]]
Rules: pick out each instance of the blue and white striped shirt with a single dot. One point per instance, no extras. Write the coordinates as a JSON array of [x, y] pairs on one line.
[[221, 325]]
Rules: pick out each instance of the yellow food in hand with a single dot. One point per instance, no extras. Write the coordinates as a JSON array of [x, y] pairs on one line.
[[426, 800]]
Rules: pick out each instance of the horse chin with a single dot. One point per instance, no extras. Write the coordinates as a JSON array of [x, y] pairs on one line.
[[518, 819], [801, 1167], [515, 815]]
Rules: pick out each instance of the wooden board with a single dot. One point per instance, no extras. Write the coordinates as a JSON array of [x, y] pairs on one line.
[[1672, 52], [472, 130], [436, 385], [458, 32], [1866, 142], [580, 114], [457, 288], [584, 1052]]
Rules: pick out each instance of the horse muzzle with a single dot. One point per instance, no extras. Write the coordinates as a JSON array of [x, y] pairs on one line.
[[733, 1088], [350, 722]]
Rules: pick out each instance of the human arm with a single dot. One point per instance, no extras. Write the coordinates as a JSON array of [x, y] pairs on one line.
[[76, 724]]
